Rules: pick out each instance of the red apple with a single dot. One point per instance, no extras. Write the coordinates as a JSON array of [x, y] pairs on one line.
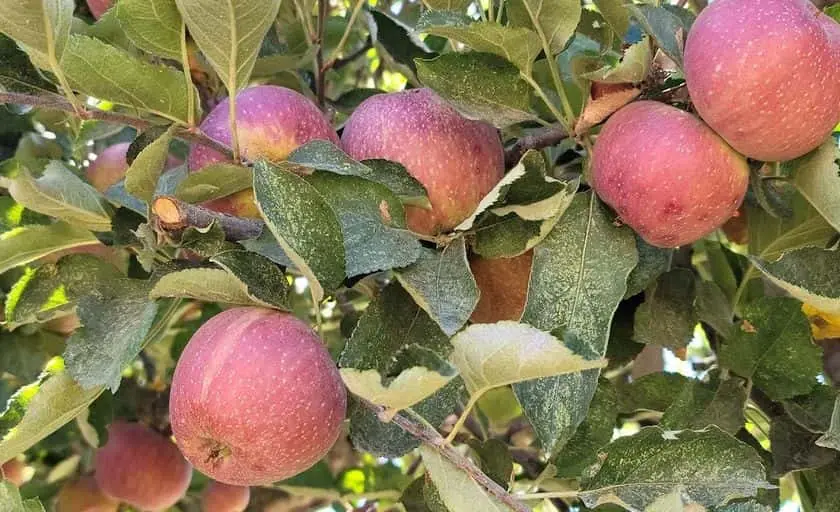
[[458, 160], [110, 166], [503, 283], [14, 470], [271, 122], [219, 497], [666, 174], [83, 495], [765, 75], [98, 7], [255, 397], [141, 467]]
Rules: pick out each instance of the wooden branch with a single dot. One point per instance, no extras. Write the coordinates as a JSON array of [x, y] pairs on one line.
[[546, 137], [174, 216], [433, 439], [56, 102]]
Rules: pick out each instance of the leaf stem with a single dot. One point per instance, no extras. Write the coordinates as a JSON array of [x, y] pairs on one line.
[[548, 103], [345, 36], [500, 11], [463, 417], [549, 495], [185, 64]]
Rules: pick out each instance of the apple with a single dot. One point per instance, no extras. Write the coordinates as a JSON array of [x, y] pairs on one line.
[[666, 174], [14, 470], [458, 160], [98, 7], [271, 122], [219, 497], [503, 284], [111, 164], [140, 467], [765, 75], [255, 397], [84, 495]]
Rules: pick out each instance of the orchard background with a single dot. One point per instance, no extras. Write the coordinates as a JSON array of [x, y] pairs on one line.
[[545, 282]]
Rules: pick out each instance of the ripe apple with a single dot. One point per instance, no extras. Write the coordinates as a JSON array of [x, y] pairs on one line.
[[141, 467], [271, 122], [219, 497], [84, 495], [503, 283], [14, 470], [458, 160], [765, 75], [666, 174], [110, 166], [255, 397], [98, 7]]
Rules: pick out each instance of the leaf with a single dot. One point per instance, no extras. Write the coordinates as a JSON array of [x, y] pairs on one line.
[[578, 278], [25, 356], [304, 225], [595, 431], [459, 492], [11, 501], [698, 405], [616, 15], [817, 177], [714, 307], [653, 261], [399, 41], [40, 26], [809, 274], [519, 46], [141, 178], [154, 26], [668, 29], [18, 74], [794, 448], [480, 85], [109, 73], [443, 285], [633, 67], [773, 346], [447, 5], [229, 34], [266, 245], [30, 243], [494, 459], [831, 438], [555, 20], [826, 486], [709, 467], [509, 236], [667, 317], [261, 278], [813, 411], [207, 285], [60, 193], [372, 223], [213, 182], [652, 392]]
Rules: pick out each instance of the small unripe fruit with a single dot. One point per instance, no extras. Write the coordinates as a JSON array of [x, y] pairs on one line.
[[271, 122], [765, 75], [666, 174], [111, 164], [14, 470], [99, 7], [83, 495], [458, 160], [219, 497], [255, 397], [503, 284], [140, 467]]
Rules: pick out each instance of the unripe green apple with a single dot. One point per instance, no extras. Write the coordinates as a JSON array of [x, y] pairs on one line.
[[765, 75], [255, 397], [271, 122], [458, 160], [84, 495], [219, 497], [111, 164], [98, 7], [140, 467], [503, 284], [666, 174]]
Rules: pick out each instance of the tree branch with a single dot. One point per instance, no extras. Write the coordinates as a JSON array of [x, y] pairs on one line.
[[433, 439], [174, 216], [544, 138], [58, 103]]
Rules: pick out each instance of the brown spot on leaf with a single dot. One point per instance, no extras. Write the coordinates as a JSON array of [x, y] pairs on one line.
[[385, 212], [746, 326]]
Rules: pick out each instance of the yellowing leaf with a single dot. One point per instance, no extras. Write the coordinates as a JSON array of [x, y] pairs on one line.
[[823, 325], [410, 387]]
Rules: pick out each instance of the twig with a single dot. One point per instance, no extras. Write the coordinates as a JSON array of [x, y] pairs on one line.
[[321, 79], [546, 137], [174, 216], [433, 439], [340, 63], [58, 103]]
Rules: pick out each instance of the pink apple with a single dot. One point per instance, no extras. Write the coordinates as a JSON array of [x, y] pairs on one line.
[[98, 7], [458, 160], [666, 174], [255, 397], [503, 287], [219, 497], [110, 166], [765, 75], [140, 467], [84, 495]]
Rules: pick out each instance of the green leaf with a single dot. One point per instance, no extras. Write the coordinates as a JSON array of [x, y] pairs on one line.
[[480, 85], [207, 285], [578, 278], [652, 392], [447, 5], [266, 245], [141, 178], [509, 236], [372, 223], [831, 438], [60, 193], [555, 20], [18, 74], [773, 346], [616, 15], [398, 40], [443, 285], [494, 459], [633, 67], [262, 279], [809, 274], [794, 448], [229, 34], [714, 307], [40, 26], [813, 411], [213, 182], [817, 177], [708, 467], [698, 405], [653, 261], [29, 243], [520, 46], [25, 356], [667, 317], [825, 483], [595, 431], [304, 225], [109, 73], [11, 501], [668, 29], [154, 26]]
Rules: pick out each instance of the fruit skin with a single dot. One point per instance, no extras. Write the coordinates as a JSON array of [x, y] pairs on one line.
[[219, 497], [667, 175], [765, 75], [458, 160], [110, 166], [98, 7], [255, 397], [13, 471], [84, 495], [503, 283], [271, 122], [140, 467]]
